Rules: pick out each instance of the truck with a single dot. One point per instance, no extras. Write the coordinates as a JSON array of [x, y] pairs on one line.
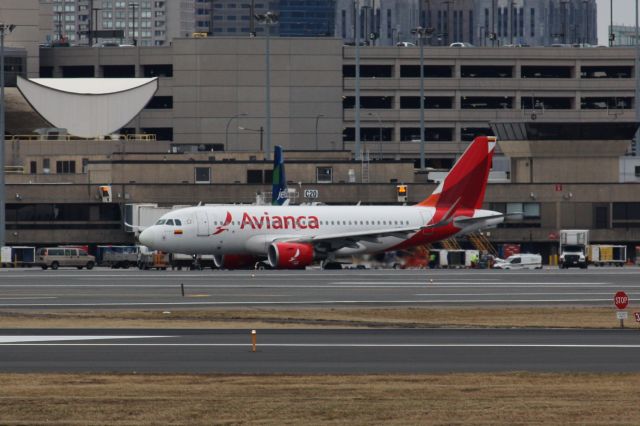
[[605, 254], [152, 259], [574, 248], [17, 256], [117, 256]]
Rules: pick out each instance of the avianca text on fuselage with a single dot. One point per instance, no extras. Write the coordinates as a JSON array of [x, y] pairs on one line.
[[267, 221]]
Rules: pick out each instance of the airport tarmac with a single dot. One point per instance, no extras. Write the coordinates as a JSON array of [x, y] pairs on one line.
[[320, 351], [133, 289]]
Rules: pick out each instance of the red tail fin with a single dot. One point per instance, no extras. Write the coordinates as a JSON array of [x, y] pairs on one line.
[[466, 183]]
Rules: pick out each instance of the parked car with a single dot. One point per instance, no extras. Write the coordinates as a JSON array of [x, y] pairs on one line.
[[55, 257], [461, 44], [520, 261]]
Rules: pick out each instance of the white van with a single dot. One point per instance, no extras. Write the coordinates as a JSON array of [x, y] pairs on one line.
[[520, 261]]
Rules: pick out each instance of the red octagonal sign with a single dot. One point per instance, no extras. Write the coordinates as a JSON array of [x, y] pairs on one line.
[[621, 300]]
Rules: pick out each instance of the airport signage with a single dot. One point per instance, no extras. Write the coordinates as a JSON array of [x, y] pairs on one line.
[[622, 315], [311, 193], [621, 300], [637, 315]]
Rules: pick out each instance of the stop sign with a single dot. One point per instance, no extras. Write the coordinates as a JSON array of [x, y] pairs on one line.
[[621, 300]]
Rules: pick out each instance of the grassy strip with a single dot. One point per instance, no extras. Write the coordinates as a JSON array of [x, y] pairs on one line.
[[516, 398], [560, 317]]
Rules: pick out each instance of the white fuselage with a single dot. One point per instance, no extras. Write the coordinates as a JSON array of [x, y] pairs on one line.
[[248, 229]]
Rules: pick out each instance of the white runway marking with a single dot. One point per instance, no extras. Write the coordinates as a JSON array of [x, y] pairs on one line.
[[346, 345], [28, 298], [28, 339], [306, 302]]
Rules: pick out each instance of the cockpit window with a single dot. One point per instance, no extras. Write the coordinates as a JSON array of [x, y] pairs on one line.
[[169, 222], [160, 222], [178, 222]]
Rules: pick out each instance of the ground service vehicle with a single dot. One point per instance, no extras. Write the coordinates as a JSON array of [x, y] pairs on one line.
[[55, 257], [574, 245], [152, 259], [15, 256], [603, 254], [293, 237], [117, 256], [520, 261]]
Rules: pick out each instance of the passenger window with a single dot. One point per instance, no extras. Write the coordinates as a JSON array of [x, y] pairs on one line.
[[68, 252], [169, 222], [83, 253]]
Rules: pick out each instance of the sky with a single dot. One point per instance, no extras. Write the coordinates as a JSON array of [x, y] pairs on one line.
[[623, 13]]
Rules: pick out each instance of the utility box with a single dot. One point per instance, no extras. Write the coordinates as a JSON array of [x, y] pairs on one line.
[[104, 193], [403, 193]]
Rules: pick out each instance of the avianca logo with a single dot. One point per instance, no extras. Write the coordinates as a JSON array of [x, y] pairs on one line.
[[279, 222], [225, 226]]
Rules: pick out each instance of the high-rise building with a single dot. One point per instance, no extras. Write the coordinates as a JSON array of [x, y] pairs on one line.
[[479, 22], [145, 22], [307, 18]]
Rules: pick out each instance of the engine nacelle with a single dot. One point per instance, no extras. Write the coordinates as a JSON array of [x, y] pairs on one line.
[[290, 255], [234, 261]]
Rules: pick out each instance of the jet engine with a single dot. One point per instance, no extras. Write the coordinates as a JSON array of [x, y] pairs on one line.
[[234, 261], [290, 255]]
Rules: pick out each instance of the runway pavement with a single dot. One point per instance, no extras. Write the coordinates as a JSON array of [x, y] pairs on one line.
[[133, 289], [325, 351]]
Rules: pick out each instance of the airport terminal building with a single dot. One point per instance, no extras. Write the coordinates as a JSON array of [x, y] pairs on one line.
[[565, 118]]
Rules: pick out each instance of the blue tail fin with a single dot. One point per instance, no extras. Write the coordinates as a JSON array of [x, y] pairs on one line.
[[279, 191]]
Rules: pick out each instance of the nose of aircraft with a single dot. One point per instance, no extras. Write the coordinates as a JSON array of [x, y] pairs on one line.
[[146, 237]]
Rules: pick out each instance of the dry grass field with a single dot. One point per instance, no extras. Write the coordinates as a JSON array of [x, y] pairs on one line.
[[560, 317], [517, 398]]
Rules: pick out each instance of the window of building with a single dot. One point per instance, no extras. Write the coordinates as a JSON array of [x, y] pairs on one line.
[[160, 102], [430, 102], [46, 72], [430, 71], [528, 71], [529, 102], [259, 176], [324, 174], [486, 102], [162, 133], [368, 134], [468, 134], [203, 174], [607, 103], [637, 171], [78, 71], [65, 167], [368, 71], [158, 70], [626, 215], [604, 71], [368, 102], [119, 71], [480, 71], [33, 167], [431, 134]]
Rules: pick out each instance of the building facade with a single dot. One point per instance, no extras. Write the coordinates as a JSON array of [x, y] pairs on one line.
[[479, 22]]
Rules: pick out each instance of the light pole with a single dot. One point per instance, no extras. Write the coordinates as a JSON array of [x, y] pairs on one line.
[[226, 131], [422, 33], [260, 130], [133, 7], [94, 24], [318, 117], [356, 11], [4, 30], [376, 115], [268, 19]]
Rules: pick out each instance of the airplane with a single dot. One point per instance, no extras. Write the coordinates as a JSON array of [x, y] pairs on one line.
[[279, 190], [293, 237]]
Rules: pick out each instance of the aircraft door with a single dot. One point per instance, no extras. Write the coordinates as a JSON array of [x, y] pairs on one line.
[[202, 222]]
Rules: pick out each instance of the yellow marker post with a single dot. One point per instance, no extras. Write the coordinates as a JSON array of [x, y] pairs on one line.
[[254, 340]]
